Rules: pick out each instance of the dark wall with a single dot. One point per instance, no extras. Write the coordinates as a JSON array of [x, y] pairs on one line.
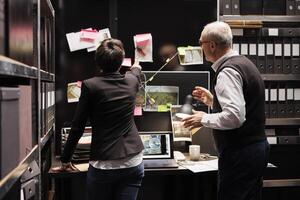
[[176, 21], [72, 16]]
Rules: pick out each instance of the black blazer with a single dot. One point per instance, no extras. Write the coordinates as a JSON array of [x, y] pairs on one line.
[[108, 100]]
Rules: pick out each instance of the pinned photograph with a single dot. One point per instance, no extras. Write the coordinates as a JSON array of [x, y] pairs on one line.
[[88, 38], [143, 47], [180, 132], [190, 55], [160, 98], [74, 91]]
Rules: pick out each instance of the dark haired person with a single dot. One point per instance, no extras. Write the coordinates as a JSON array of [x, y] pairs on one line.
[[108, 99], [238, 118]]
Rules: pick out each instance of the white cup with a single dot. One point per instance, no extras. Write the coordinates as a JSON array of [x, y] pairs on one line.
[[194, 151]]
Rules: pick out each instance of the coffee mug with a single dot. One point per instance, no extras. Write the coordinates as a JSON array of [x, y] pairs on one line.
[[194, 151]]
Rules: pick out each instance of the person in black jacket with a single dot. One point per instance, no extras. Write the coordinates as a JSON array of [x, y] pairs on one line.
[[238, 118], [108, 100]]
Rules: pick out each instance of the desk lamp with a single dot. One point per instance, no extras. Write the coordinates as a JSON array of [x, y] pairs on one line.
[[186, 109]]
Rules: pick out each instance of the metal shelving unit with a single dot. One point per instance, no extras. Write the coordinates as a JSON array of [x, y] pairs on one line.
[[282, 121], [39, 76], [264, 18], [16, 174], [8, 67], [281, 77]]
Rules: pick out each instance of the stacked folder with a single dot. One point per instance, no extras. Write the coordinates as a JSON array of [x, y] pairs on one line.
[[260, 7], [272, 50], [82, 151], [282, 100]]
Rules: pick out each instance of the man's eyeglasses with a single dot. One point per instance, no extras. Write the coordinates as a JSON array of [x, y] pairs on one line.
[[202, 42]]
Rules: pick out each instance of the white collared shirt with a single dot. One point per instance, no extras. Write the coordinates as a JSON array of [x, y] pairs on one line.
[[229, 91], [127, 162]]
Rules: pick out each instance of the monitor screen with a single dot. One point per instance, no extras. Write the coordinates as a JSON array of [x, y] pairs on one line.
[[156, 144]]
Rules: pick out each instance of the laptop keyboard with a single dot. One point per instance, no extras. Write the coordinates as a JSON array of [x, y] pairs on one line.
[[160, 163]]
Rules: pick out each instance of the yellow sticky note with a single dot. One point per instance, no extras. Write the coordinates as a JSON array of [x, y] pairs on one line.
[[181, 50], [162, 108]]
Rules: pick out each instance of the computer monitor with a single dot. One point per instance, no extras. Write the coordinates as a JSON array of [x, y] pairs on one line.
[[157, 144], [185, 81]]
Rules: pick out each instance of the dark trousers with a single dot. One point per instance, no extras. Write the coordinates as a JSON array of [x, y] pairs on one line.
[[116, 184], [241, 171]]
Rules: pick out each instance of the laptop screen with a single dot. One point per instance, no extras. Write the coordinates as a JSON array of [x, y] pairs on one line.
[[157, 144]]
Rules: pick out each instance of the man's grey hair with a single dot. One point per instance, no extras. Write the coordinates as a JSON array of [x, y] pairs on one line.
[[219, 32]]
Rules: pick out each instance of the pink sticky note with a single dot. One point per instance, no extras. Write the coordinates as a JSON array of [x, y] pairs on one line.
[[126, 62], [142, 43], [79, 83], [88, 35], [142, 39], [138, 111]]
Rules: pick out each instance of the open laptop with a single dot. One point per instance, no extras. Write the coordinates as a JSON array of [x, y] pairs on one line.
[[158, 152]]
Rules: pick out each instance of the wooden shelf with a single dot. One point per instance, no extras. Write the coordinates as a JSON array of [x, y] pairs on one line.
[[282, 121], [10, 67], [46, 76], [46, 137], [265, 18], [282, 183], [281, 77]]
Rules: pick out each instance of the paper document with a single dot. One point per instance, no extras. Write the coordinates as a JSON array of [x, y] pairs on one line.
[[200, 166], [88, 39], [82, 167], [143, 47], [73, 91], [179, 131]]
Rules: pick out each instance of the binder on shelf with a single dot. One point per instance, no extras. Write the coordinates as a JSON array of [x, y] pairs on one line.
[[235, 7], [236, 47], [290, 102], [295, 55], [296, 65], [277, 56], [42, 106], [253, 7], [25, 120], [287, 65], [273, 103], [290, 7], [270, 57], [226, 7], [297, 7], [267, 102], [244, 48], [271, 7], [287, 32], [261, 61], [282, 107], [9, 129], [252, 53], [297, 102]]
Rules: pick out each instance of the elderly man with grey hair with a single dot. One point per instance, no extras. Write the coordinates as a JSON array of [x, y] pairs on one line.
[[238, 115]]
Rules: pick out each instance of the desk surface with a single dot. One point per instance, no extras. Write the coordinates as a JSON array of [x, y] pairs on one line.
[[154, 171]]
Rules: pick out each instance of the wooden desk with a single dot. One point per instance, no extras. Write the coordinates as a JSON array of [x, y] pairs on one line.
[[159, 184], [181, 184]]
